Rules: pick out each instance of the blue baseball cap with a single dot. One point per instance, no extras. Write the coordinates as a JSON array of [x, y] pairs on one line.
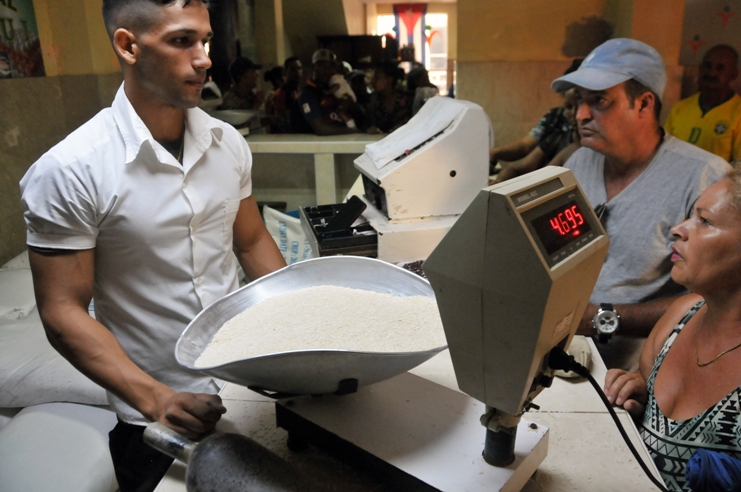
[[614, 62]]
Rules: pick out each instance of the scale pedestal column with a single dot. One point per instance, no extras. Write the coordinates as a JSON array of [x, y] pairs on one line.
[[501, 432]]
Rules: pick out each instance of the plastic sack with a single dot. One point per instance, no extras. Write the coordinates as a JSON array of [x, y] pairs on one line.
[[287, 233]]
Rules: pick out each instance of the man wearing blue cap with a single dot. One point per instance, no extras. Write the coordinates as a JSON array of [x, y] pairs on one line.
[[641, 181]]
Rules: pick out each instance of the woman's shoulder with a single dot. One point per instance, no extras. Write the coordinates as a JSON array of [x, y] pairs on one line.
[[671, 318]]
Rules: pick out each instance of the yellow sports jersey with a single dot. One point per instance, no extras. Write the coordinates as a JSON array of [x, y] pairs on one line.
[[717, 131]]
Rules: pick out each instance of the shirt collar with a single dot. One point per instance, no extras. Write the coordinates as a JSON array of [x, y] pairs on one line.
[[199, 125]]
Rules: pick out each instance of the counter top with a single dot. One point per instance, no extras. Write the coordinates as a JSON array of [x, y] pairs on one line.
[[324, 149], [297, 143], [585, 449]]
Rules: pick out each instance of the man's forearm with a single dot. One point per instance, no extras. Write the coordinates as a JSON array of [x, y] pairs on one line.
[[635, 319], [515, 150], [63, 283], [639, 319], [94, 351], [530, 163], [262, 257]]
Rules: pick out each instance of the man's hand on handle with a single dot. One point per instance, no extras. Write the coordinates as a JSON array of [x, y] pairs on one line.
[[190, 414]]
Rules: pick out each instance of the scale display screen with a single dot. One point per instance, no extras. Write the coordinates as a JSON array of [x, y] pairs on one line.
[[561, 226]]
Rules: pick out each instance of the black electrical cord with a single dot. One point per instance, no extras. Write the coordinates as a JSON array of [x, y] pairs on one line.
[[559, 359]]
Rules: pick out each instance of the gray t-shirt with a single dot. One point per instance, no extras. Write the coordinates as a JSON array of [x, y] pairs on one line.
[[638, 220], [638, 264]]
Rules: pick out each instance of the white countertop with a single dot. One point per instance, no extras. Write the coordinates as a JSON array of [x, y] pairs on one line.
[[297, 143], [585, 450]]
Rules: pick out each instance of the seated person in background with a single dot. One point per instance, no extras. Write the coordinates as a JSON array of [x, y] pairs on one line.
[[418, 83], [323, 113], [553, 149], [553, 133], [711, 119], [286, 112], [340, 89], [241, 94], [359, 84], [390, 106], [338, 85], [565, 154], [687, 390], [275, 77], [641, 180]]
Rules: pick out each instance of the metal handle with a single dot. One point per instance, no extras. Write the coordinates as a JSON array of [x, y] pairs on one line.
[[168, 441]]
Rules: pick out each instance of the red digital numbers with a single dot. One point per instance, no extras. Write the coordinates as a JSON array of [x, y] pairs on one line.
[[567, 220]]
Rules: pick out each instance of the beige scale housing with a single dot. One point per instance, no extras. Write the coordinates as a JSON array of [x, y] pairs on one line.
[[512, 279]]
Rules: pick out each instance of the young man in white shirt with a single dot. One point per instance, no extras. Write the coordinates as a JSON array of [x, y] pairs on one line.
[[140, 208]]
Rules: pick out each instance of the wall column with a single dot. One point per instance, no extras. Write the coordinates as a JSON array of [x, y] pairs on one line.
[[280, 33]]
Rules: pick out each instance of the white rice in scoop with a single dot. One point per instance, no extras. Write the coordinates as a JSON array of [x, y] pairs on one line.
[[328, 318]]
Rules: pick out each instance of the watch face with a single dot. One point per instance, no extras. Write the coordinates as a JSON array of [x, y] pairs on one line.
[[606, 322]]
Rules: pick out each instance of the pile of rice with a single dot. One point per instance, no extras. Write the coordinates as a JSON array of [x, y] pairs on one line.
[[328, 318]]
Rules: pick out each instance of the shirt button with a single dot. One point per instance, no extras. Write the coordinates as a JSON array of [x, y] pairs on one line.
[[199, 280]]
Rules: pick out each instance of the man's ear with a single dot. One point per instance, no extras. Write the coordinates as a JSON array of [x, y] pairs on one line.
[[647, 102], [125, 45]]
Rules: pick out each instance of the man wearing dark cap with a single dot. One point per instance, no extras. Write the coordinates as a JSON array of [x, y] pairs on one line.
[[242, 95], [642, 182], [711, 119], [322, 112]]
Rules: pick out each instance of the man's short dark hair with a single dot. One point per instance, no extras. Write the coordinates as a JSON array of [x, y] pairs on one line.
[[290, 60], [575, 64], [240, 66], [133, 14], [724, 47], [392, 70], [635, 89]]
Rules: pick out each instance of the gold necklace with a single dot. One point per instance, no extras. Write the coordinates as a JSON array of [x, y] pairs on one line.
[[703, 364]]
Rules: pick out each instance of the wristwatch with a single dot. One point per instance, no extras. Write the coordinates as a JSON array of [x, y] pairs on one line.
[[606, 321]]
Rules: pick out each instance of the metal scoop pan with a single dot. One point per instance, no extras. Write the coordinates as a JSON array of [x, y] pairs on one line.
[[307, 371]]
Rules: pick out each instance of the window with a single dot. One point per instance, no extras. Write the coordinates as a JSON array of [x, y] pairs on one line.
[[386, 25], [435, 53], [436, 60]]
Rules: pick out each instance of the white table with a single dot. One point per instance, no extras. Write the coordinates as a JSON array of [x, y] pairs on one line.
[[324, 149], [585, 449]]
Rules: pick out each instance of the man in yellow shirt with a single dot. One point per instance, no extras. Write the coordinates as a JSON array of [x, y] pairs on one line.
[[711, 119]]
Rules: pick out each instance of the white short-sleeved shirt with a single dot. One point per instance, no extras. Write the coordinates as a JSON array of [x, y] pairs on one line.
[[162, 232]]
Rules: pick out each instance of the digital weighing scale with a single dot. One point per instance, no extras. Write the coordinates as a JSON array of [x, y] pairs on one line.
[[512, 279]]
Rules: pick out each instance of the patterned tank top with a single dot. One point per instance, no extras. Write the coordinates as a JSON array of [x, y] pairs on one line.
[[672, 443]]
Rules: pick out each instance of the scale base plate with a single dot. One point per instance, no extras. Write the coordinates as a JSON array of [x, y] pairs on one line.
[[412, 434]]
